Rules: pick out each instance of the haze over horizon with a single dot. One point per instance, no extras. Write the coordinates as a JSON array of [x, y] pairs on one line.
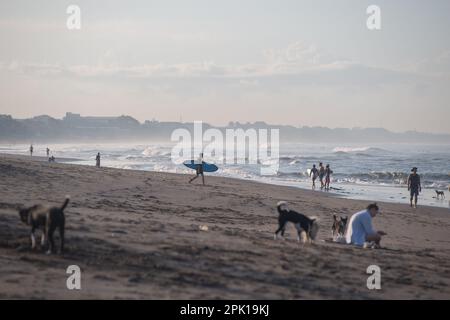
[[298, 63], [226, 124]]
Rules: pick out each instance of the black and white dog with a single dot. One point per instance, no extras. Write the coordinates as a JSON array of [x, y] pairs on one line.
[[338, 227], [307, 227], [440, 194]]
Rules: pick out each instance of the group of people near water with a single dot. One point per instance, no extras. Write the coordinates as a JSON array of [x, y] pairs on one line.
[[51, 158], [321, 173]]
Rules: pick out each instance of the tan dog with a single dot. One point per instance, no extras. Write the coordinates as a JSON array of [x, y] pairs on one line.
[[39, 216]]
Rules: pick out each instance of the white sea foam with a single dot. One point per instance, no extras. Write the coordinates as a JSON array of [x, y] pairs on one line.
[[384, 167]]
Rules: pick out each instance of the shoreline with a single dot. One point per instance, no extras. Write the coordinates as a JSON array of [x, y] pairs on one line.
[[150, 235], [340, 192]]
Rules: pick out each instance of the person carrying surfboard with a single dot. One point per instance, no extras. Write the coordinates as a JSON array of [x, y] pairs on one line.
[[199, 169]]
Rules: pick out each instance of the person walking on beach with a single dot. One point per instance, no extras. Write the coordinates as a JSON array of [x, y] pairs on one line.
[[328, 173], [314, 173], [360, 231], [321, 175], [97, 160], [31, 150], [414, 186], [199, 169], [48, 152]]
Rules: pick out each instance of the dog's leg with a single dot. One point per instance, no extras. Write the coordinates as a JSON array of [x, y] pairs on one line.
[[275, 236], [61, 235], [304, 236], [43, 239], [283, 229], [33, 239], [299, 231], [51, 242]]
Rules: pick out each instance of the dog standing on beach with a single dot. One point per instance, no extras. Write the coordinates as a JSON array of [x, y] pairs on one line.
[[440, 194], [339, 225], [307, 227], [39, 216]]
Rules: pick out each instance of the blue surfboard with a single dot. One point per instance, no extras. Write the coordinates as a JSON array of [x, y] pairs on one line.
[[207, 167]]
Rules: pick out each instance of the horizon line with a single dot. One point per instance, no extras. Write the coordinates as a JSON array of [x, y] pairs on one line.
[[299, 126]]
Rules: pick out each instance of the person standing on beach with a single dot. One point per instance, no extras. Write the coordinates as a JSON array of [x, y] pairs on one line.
[[328, 173], [359, 229], [31, 150], [314, 174], [48, 152], [199, 169], [414, 186], [97, 160], [321, 175]]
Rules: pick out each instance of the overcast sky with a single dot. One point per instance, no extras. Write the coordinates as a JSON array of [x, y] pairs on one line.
[[293, 62]]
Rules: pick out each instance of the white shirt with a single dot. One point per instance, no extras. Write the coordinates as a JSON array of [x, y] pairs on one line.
[[359, 227]]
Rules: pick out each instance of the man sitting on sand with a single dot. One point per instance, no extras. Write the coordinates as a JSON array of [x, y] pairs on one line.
[[360, 231]]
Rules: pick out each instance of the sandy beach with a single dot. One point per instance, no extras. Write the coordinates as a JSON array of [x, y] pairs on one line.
[[147, 235]]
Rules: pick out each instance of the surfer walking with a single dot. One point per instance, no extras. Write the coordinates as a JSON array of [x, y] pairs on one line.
[[314, 173], [199, 169]]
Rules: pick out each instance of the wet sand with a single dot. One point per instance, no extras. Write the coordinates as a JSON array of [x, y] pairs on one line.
[[145, 235]]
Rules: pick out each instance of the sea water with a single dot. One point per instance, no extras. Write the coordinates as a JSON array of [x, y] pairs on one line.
[[375, 172]]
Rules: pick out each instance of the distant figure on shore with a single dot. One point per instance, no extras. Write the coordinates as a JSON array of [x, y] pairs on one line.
[[48, 152], [328, 173], [31, 150], [414, 186], [321, 175], [313, 175], [97, 160], [51, 159], [199, 169], [360, 231]]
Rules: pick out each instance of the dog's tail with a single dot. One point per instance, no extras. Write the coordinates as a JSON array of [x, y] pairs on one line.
[[66, 202]]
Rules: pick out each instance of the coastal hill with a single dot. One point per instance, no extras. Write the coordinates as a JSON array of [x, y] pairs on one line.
[[74, 127]]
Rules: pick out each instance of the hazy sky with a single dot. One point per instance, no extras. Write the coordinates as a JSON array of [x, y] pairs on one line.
[[283, 62]]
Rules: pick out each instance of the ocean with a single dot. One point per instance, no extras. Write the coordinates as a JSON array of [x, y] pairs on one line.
[[375, 172]]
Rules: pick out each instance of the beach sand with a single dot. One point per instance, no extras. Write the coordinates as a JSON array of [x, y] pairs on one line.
[[147, 235]]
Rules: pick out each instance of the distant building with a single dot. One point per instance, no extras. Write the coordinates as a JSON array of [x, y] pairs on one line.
[[124, 122]]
